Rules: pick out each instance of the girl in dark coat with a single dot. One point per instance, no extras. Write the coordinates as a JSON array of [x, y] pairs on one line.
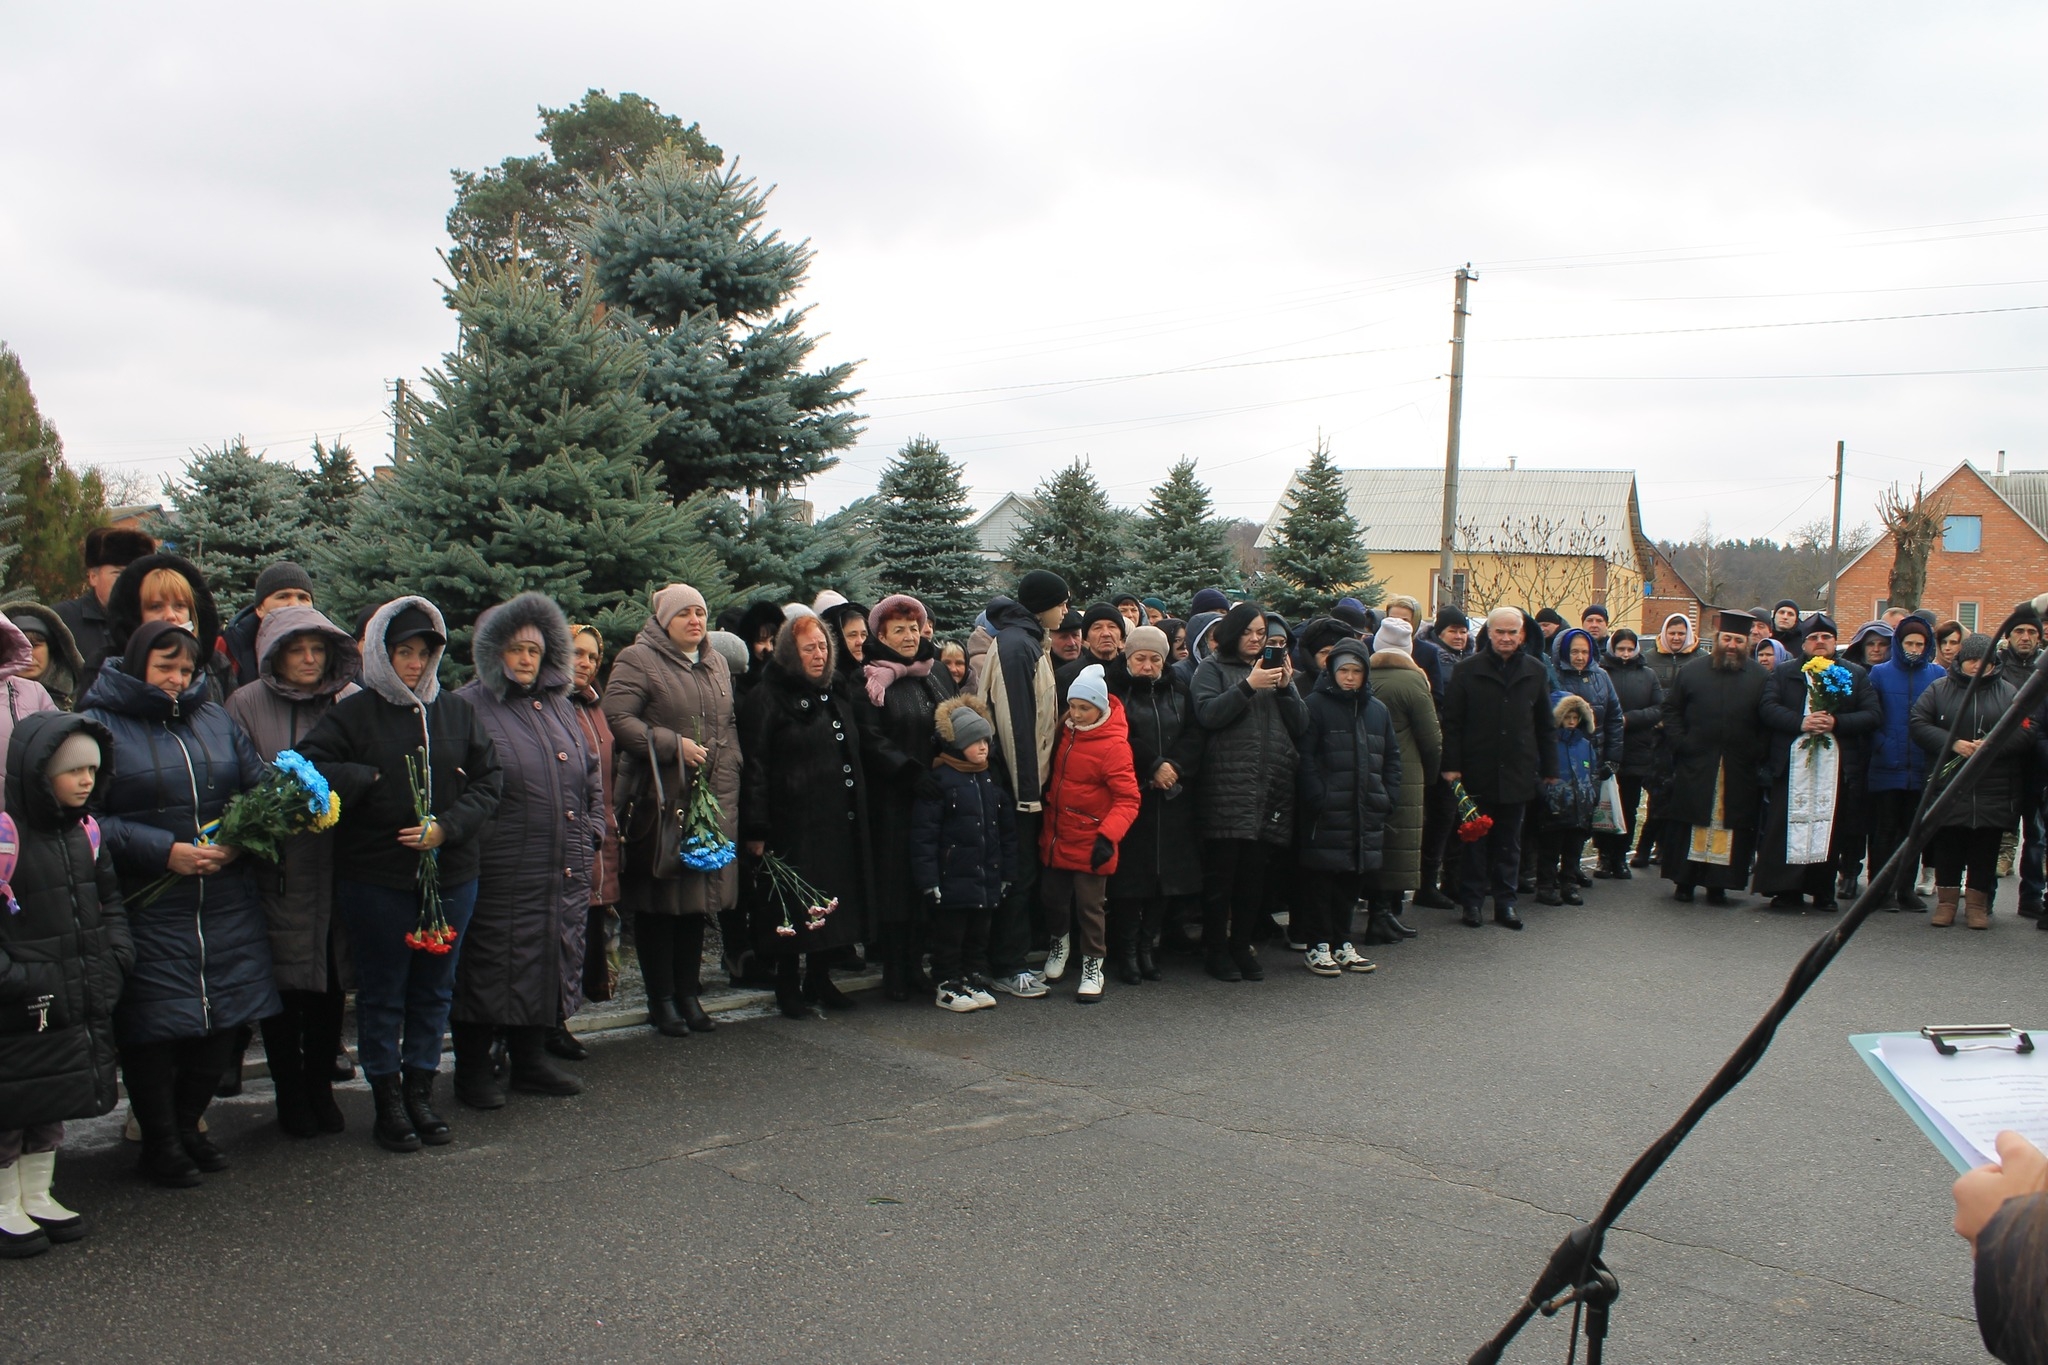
[[1350, 783], [963, 853], [522, 964], [803, 797], [1968, 837], [363, 748], [1252, 716], [1159, 867], [202, 946], [897, 696], [304, 664], [64, 949]]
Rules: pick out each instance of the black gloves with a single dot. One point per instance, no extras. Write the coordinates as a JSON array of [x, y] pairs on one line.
[[927, 786], [1103, 851]]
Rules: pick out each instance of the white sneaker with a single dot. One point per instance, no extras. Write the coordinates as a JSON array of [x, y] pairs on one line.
[[954, 996], [977, 986], [1091, 981], [1056, 961], [1024, 985], [1351, 960], [1319, 961]]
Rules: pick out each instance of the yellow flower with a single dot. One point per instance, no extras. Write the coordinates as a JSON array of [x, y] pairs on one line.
[[1817, 664], [332, 815]]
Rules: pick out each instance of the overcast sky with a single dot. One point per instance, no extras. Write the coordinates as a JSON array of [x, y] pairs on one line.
[[223, 219]]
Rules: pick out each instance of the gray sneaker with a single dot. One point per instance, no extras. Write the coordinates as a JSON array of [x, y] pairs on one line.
[[1024, 985]]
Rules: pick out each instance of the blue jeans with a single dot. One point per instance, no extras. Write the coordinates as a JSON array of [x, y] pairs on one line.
[[402, 994], [1493, 864], [2033, 858]]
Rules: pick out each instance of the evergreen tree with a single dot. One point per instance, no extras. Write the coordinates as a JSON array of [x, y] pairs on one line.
[[677, 245], [233, 512], [776, 553], [56, 504], [923, 542], [530, 208], [1182, 545], [1318, 555], [10, 508], [1073, 531], [527, 472], [332, 487]]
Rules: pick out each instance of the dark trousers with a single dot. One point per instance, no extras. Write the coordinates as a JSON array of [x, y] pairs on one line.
[[402, 994], [1142, 920], [2033, 859], [1891, 813], [1557, 858], [20, 1142], [1439, 817], [671, 949], [1233, 891], [1010, 929], [1957, 848], [170, 1084], [301, 1039], [1492, 865], [1324, 905], [1616, 846], [958, 935], [1074, 902]]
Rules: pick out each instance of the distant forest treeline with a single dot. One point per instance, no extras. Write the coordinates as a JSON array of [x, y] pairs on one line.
[[1761, 571]]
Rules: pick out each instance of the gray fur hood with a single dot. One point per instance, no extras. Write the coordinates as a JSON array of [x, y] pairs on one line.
[[378, 674], [494, 631], [344, 660]]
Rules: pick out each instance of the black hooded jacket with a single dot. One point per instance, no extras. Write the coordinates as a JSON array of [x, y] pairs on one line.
[[124, 614], [1350, 777]]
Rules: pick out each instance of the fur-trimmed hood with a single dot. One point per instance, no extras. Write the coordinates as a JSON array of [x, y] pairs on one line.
[[64, 679], [378, 674], [1394, 659], [1571, 704], [942, 721], [344, 659], [494, 631]]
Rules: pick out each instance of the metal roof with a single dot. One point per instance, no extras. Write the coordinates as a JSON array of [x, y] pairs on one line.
[[1402, 509], [2027, 491]]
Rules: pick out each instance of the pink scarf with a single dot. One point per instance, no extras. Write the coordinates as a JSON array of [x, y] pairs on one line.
[[884, 672]]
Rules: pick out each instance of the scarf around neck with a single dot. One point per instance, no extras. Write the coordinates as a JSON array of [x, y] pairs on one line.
[[960, 765], [884, 666]]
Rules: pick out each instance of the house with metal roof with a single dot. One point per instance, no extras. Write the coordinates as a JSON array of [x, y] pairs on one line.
[[1528, 538], [1992, 553]]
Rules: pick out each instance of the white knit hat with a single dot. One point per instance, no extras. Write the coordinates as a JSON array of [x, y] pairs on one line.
[[1395, 635], [1092, 688]]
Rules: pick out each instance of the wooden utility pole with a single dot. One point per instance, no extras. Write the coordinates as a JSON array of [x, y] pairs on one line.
[[1446, 575], [401, 429], [1835, 540]]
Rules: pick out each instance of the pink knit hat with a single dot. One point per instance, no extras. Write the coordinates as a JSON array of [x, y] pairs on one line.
[[670, 601]]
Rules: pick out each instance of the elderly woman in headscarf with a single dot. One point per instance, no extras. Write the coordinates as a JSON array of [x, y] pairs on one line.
[[896, 704], [847, 623], [670, 704], [522, 968]]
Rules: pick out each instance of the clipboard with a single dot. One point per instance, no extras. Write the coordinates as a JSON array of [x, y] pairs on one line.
[[1866, 1048]]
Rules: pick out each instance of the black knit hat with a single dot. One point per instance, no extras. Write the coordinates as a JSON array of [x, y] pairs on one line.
[[281, 576], [1549, 617], [1594, 610], [1073, 621], [2027, 614], [1451, 618], [1041, 590], [1103, 611]]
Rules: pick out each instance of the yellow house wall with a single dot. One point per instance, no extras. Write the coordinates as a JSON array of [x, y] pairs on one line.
[[1566, 582]]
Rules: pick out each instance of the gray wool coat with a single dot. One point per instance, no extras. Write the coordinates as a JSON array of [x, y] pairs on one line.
[[656, 695], [521, 961], [298, 894]]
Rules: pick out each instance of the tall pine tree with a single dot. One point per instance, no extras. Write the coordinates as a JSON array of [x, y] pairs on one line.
[[232, 512], [776, 553], [1318, 554], [10, 508], [924, 543], [678, 245], [1075, 532], [332, 486], [1182, 545], [57, 505], [528, 472]]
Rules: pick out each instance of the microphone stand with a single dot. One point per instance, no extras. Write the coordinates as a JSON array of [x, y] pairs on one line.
[[1575, 1273]]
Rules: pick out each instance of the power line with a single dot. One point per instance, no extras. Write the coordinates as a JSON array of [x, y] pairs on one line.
[[1769, 326], [1830, 293], [1846, 374]]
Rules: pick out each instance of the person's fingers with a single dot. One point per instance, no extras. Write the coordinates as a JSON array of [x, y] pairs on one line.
[[2021, 1159]]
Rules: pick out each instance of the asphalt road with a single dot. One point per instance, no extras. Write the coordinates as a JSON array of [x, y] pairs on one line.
[[1364, 1168]]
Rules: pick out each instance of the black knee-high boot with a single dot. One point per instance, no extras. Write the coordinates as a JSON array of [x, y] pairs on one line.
[[199, 1077], [818, 985], [1151, 925], [150, 1073], [1124, 928], [475, 1083], [322, 1044], [284, 1045], [789, 995]]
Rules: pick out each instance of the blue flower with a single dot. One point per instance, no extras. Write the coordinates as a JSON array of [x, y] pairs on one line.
[[294, 765]]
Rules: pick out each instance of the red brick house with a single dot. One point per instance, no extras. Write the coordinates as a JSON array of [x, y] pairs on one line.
[[1992, 555]]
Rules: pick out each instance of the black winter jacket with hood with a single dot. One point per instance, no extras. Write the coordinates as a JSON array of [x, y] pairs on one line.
[[124, 616], [1248, 760], [1641, 698], [963, 842], [67, 941], [361, 748], [1350, 777], [1162, 853], [1017, 684]]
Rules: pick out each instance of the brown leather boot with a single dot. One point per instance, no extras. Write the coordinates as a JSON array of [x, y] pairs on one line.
[[1944, 915], [1977, 909]]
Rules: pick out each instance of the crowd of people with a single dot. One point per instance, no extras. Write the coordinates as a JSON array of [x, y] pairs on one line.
[[1048, 795]]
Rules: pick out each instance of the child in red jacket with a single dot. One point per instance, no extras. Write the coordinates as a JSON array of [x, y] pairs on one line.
[[1091, 799]]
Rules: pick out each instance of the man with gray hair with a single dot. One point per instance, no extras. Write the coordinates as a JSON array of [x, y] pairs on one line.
[[1500, 743]]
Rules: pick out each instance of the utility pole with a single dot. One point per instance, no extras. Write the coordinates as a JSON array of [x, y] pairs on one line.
[[1835, 541], [401, 431], [1446, 576]]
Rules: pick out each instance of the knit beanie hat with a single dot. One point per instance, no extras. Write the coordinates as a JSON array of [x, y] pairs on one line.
[[1394, 634], [79, 750], [1092, 688], [1157, 604], [1210, 599], [969, 727], [1976, 646], [1146, 638], [730, 648], [1913, 625], [1594, 610], [1103, 611], [1041, 590], [670, 601], [528, 634], [1450, 618], [1549, 617], [825, 599], [280, 576]]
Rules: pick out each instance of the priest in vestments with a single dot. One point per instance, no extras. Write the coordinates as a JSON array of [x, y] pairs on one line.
[[1816, 796], [1717, 750]]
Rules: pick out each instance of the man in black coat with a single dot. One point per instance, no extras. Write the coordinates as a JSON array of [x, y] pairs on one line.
[[1500, 741], [1102, 642], [1716, 751], [108, 550], [1784, 715]]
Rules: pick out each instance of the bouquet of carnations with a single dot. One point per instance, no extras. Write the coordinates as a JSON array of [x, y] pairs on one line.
[[788, 891], [293, 798], [705, 847], [1828, 689], [432, 933], [1473, 825]]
